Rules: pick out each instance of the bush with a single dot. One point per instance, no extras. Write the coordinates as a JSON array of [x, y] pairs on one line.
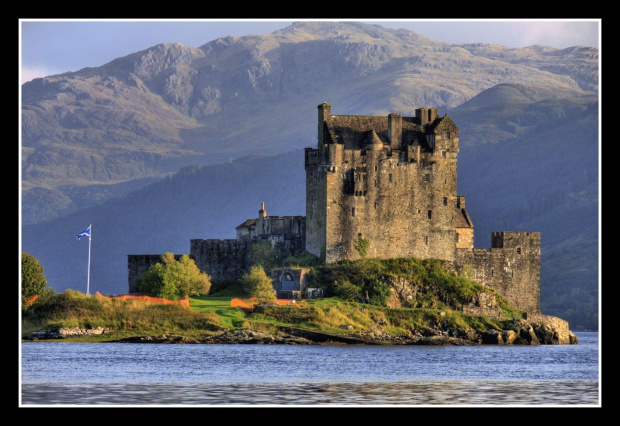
[[303, 259], [257, 284], [34, 282], [174, 279], [264, 255]]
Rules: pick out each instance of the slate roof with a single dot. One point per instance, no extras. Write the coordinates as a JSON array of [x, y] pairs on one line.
[[354, 131], [247, 224], [463, 220]]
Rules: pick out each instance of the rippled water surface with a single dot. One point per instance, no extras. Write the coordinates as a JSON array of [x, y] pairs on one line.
[[138, 374]]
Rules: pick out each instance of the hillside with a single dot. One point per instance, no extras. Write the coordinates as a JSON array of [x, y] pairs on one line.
[[528, 160], [101, 132], [534, 167], [536, 180]]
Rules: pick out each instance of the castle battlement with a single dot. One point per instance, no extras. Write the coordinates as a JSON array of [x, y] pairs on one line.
[[391, 180]]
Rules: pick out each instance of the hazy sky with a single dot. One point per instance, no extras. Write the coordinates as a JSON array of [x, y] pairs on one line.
[[54, 46]]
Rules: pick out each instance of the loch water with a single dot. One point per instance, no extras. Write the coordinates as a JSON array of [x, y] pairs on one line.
[[135, 374]]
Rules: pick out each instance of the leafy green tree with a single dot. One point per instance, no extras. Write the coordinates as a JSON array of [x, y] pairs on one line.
[[379, 292], [34, 282], [347, 291], [174, 279], [257, 284], [263, 254]]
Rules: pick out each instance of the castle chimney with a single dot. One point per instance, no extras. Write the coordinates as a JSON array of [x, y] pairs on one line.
[[395, 130], [262, 213], [426, 115], [324, 114]]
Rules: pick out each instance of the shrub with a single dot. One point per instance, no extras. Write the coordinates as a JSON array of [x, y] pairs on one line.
[[361, 246], [264, 255], [257, 284], [174, 279], [34, 282]]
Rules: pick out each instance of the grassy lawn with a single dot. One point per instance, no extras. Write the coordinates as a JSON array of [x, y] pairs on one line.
[[219, 305]]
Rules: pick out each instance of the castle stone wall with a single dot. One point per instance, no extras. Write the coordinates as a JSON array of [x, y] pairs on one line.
[[402, 201], [138, 264], [511, 267], [223, 260]]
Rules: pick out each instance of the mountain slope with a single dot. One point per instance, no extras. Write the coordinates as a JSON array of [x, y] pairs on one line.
[[538, 171], [539, 176], [151, 112]]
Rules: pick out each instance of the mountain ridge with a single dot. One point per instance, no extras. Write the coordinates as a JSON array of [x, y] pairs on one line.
[[146, 114]]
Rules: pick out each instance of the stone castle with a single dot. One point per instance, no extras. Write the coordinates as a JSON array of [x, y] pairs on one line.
[[392, 181]]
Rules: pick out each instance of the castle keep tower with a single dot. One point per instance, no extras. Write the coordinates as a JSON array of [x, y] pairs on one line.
[[390, 180]]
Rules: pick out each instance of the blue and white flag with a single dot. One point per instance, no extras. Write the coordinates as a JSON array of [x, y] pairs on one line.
[[84, 233]]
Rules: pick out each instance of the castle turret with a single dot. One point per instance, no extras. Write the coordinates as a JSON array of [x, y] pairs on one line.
[[262, 213], [395, 130], [324, 114]]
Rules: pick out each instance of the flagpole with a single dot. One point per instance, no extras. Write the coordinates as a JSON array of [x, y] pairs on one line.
[[88, 277]]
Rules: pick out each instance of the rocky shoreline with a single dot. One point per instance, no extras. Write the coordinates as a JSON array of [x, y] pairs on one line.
[[520, 332]]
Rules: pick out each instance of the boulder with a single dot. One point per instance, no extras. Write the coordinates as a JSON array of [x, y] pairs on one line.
[[509, 336], [526, 336], [573, 340], [546, 334], [492, 337]]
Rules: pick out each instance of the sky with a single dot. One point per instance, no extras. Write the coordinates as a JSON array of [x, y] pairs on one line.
[[53, 46]]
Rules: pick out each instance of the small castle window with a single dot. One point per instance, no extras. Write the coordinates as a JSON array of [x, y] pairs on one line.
[[446, 135], [443, 154], [427, 178], [445, 201], [390, 177], [375, 204], [364, 193], [518, 250], [430, 214], [426, 240], [375, 168], [353, 211]]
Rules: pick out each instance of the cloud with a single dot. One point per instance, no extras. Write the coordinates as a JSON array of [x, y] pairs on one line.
[[28, 74], [556, 33]]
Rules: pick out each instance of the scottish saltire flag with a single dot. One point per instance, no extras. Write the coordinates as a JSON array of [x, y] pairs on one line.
[[84, 233]]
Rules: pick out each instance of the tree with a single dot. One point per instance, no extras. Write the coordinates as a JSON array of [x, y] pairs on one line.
[[263, 254], [34, 282], [174, 279], [257, 284]]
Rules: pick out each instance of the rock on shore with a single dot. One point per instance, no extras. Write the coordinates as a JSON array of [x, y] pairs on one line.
[[520, 332], [65, 332]]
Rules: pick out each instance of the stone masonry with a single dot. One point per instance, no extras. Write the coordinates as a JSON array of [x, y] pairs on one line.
[[391, 180]]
